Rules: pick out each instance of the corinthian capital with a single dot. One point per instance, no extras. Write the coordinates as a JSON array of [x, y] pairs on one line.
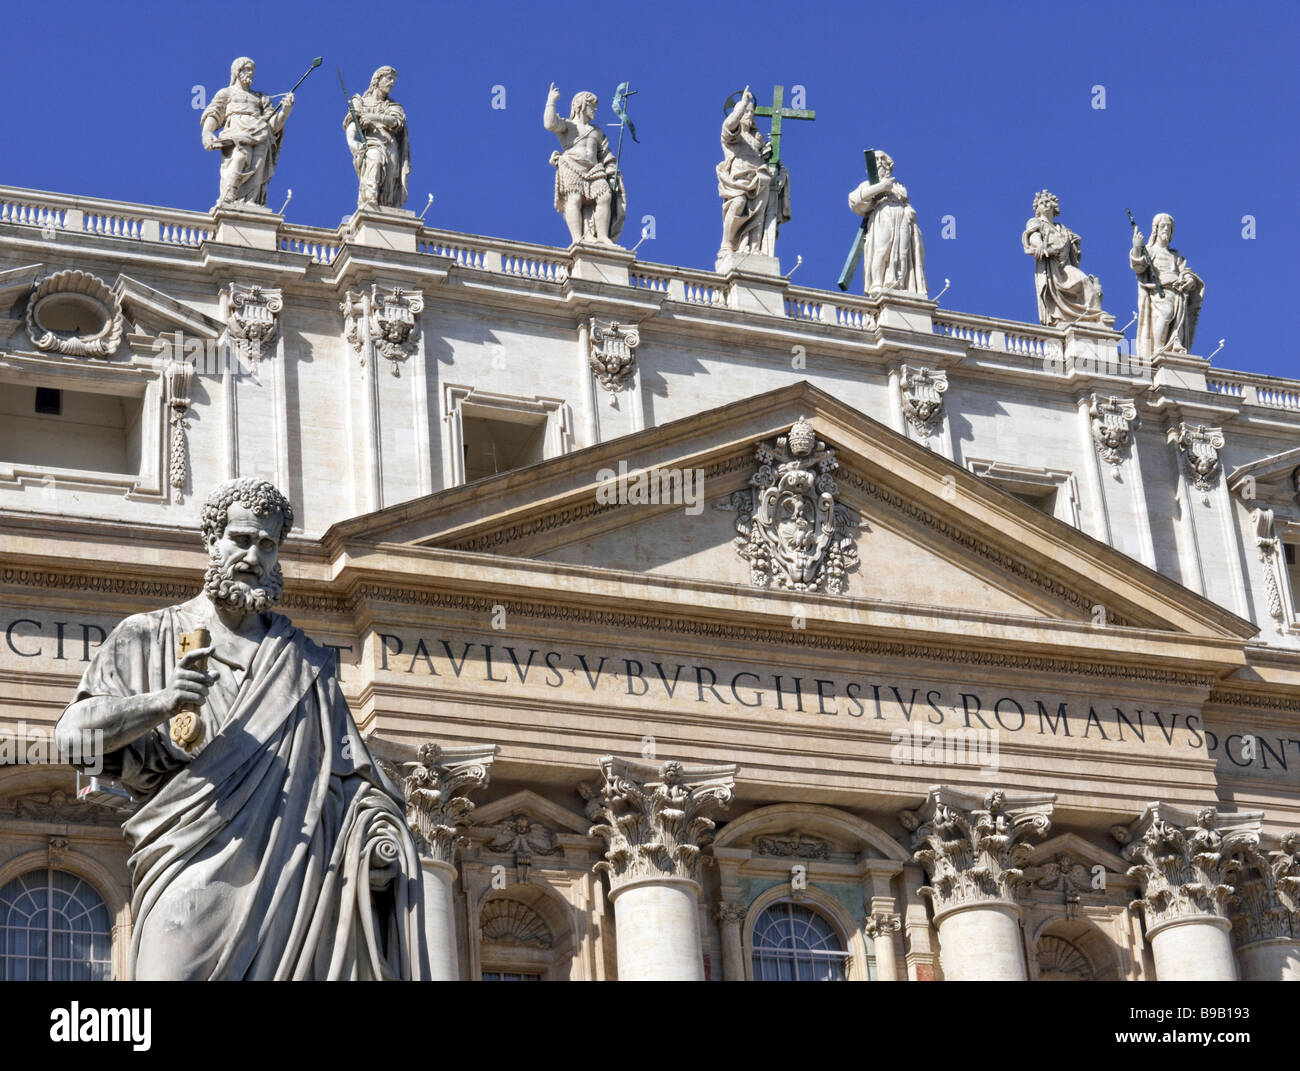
[[435, 788], [1267, 900], [1185, 861], [974, 849], [655, 819]]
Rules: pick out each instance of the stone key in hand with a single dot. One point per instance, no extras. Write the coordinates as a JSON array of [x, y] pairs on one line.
[[185, 726]]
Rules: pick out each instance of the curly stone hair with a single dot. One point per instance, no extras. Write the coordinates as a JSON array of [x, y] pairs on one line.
[[1049, 198], [258, 495]]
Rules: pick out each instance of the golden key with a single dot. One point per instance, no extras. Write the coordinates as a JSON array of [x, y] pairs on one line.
[[185, 724]]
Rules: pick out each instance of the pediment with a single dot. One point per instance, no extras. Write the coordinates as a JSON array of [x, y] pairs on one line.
[[933, 540], [534, 806], [152, 313], [1274, 480]]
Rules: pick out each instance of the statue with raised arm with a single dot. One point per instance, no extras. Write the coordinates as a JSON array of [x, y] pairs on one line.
[[1169, 293], [1065, 294], [755, 196], [266, 842], [383, 159], [248, 130], [893, 255], [589, 190]]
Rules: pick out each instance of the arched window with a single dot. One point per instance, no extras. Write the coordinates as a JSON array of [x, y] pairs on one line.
[[793, 943], [53, 927]]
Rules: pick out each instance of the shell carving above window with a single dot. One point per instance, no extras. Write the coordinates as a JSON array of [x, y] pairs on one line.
[[75, 314]]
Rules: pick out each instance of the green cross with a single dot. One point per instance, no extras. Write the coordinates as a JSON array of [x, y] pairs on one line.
[[777, 113]]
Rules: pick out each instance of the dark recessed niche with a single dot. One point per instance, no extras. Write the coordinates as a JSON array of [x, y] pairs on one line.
[[49, 400]]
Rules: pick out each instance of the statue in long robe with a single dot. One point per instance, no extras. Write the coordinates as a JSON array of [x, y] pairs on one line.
[[383, 160], [589, 189], [1066, 294], [893, 254], [267, 843], [755, 199], [1166, 322], [251, 132]]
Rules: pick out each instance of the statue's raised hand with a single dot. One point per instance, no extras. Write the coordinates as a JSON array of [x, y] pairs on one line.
[[1138, 240], [553, 95]]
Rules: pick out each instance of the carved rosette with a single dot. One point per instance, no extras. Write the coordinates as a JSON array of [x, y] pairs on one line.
[[922, 392], [523, 839], [253, 320], [434, 810], [1266, 543], [1266, 904], [1113, 421], [390, 316], [793, 533], [1200, 448], [974, 850], [882, 924], [655, 819], [1186, 863], [611, 353]]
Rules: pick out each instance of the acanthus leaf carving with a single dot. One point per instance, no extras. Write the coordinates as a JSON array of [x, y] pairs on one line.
[[793, 532], [387, 318], [975, 851], [1186, 864], [435, 788], [1266, 902], [1200, 446], [655, 820], [253, 320]]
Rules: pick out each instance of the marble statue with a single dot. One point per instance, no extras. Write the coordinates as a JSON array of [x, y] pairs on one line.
[[589, 188], [755, 197], [251, 131], [893, 253], [1065, 294], [1166, 322], [383, 159], [266, 843]]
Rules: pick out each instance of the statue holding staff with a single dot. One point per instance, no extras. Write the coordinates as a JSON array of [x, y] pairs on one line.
[[590, 192], [381, 151], [251, 132], [1169, 293]]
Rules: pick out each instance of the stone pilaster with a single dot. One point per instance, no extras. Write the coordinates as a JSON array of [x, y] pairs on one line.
[[437, 808], [881, 928], [1186, 863], [973, 851], [1265, 911], [731, 917], [654, 821]]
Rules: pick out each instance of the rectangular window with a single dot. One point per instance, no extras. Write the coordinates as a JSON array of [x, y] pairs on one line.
[[1291, 553], [493, 445], [65, 429], [510, 976]]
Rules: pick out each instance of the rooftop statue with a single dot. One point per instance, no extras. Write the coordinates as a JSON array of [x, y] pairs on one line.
[[1169, 293], [893, 252], [375, 127], [251, 132], [589, 189], [755, 193], [1065, 294], [267, 844]]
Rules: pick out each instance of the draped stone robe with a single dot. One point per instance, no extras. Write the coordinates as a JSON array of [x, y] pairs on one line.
[[252, 859]]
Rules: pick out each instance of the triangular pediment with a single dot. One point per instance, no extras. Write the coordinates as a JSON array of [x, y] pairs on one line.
[[152, 313], [932, 538]]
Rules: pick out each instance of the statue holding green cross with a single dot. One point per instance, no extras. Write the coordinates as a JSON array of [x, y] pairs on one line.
[[752, 181]]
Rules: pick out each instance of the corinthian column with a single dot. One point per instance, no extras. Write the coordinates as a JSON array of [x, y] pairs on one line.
[[973, 852], [881, 928], [436, 813], [1265, 912], [654, 821], [1185, 863]]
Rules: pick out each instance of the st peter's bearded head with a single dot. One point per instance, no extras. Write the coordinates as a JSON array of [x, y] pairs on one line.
[[244, 522]]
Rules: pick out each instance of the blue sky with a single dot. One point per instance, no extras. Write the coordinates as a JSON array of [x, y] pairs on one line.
[[980, 105]]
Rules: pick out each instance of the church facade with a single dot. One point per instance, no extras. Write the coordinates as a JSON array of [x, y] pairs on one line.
[[749, 631]]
